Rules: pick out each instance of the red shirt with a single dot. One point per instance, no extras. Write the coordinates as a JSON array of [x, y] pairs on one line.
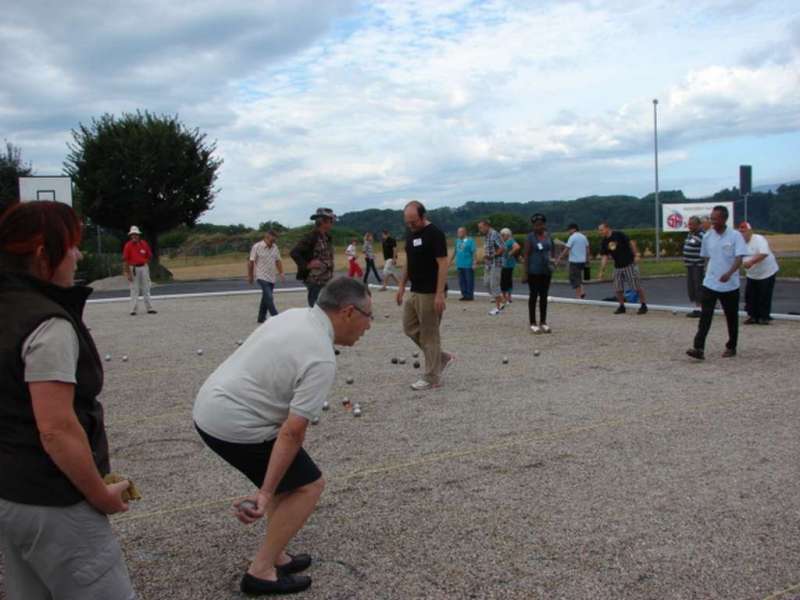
[[136, 254]]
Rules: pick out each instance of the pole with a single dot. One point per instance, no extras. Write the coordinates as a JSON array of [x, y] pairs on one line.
[[655, 148], [746, 197]]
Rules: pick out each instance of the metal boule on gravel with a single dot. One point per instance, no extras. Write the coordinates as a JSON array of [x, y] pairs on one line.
[[536, 353], [394, 360], [336, 351], [108, 357], [415, 355], [326, 405], [402, 361], [416, 364], [357, 410], [346, 402], [349, 381], [239, 342], [199, 352], [505, 360], [674, 312], [124, 358], [246, 505]]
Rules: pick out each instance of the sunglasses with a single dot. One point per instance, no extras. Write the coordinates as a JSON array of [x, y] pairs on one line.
[[369, 315]]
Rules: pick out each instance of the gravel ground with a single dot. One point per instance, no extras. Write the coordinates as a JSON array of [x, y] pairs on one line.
[[609, 466]]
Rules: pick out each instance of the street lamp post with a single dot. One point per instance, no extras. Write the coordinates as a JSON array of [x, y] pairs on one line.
[[655, 148]]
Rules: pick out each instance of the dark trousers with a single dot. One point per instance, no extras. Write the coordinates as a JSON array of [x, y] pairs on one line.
[[730, 306], [267, 300], [539, 286], [371, 266], [466, 283], [758, 298], [313, 293]]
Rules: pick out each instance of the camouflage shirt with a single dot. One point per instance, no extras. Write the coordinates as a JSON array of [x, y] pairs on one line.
[[323, 252]]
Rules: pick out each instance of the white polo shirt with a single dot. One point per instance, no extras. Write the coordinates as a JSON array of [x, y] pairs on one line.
[[266, 260], [578, 244], [766, 268], [286, 366], [721, 251]]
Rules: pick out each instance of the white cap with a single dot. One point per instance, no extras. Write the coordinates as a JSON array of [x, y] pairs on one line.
[[134, 230]]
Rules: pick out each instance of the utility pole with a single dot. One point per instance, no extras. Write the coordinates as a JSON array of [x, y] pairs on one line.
[[655, 148]]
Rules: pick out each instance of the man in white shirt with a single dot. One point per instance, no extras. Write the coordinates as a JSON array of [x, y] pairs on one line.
[[253, 412], [577, 247], [723, 248], [265, 266], [761, 268]]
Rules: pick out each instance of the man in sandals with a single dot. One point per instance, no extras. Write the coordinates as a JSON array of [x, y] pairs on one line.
[[253, 412]]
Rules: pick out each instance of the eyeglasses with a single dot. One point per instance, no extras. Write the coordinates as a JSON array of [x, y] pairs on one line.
[[369, 315]]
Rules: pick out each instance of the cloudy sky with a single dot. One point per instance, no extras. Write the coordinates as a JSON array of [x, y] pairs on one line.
[[354, 104]]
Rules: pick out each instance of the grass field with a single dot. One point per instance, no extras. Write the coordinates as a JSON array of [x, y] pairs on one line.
[[235, 265]]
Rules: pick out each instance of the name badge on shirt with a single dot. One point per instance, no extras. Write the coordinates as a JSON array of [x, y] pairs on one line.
[[417, 242], [539, 245]]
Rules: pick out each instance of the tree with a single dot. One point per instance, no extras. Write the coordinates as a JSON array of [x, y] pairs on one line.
[[273, 225], [144, 170], [11, 169]]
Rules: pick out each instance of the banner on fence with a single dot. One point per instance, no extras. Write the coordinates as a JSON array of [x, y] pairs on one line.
[[676, 216]]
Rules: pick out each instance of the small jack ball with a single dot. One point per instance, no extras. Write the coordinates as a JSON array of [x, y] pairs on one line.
[[416, 364]]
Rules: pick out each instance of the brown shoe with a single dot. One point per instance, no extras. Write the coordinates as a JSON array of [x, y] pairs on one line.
[[729, 353]]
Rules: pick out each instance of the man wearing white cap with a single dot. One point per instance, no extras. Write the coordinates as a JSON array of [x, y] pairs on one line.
[[761, 267], [135, 256]]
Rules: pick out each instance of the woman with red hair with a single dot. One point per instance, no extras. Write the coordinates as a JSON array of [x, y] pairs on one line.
[[54, 533]]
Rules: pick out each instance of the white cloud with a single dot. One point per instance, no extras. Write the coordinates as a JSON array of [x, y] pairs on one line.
[[357, 105]]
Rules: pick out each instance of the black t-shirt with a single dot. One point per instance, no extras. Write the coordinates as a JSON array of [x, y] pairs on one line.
[[389, 245], [618, 246], [422, 249]]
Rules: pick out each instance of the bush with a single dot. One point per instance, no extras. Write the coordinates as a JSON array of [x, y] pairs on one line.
[[95, 266]]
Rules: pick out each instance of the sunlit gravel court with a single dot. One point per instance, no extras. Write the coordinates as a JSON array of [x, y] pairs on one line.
[[607, 466]]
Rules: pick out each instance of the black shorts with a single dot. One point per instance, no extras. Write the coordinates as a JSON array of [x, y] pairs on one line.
[[506, 279], [252, 460]]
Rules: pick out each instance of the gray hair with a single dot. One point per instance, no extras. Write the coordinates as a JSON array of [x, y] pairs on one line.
[[341, 292], [505, 231], [694, 219]]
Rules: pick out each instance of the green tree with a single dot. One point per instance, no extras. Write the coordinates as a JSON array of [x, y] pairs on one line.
[[11, 169], [273, 225], [144, 170]]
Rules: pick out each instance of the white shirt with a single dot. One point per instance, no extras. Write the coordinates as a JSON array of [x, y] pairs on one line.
[[286, 366], [266, 260], [721, 251], [766, 268], [578, 245], [350, 252]]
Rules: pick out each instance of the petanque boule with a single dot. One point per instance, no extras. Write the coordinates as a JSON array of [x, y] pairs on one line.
[[402, 361], [415, 355], [245, 505], [336, 351], [416, 364], [536, 353], [505, 360], [239, 342], [674, 312], [349, 381], [199, 352], [346, 402], [108, 357], [357, 410], [125, 358], [394, 360], [325, 405], [315, 421]]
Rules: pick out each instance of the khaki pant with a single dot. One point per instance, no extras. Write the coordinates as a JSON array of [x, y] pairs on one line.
[[61, 553], [421, 324], [140, 286]]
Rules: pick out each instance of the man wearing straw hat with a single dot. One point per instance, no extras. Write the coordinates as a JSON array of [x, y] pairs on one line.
[[135, 256]]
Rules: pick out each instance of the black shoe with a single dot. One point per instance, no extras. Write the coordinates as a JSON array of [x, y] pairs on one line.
[[299, 562], [750, 321], [696, 353], [133, 313], [729, 353], [642, 310], [285, 584], [762, 322], [152, 311], [462, 299], [695, 314], [620, 310]]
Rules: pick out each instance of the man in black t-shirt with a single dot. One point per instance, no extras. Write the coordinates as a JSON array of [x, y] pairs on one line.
[[625, 254], [389, 259], [426, 268]]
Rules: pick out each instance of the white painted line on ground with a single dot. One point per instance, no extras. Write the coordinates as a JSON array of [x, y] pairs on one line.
[[557, 299]]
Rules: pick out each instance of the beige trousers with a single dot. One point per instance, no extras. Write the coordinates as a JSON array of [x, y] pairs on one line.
[[140, 285], [421, 324]]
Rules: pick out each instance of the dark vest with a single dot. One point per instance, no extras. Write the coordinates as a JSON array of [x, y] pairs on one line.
[[27, 474]]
